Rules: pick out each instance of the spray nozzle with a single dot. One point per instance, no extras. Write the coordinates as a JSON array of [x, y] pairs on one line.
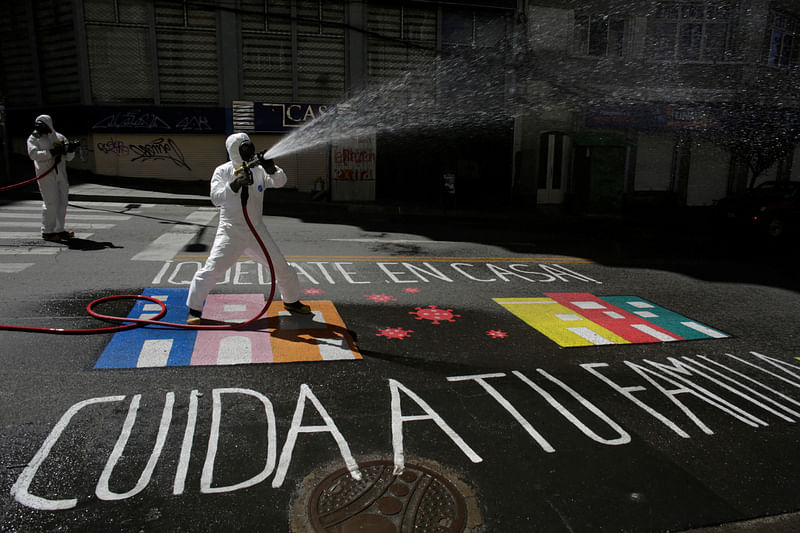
[[268, 164]]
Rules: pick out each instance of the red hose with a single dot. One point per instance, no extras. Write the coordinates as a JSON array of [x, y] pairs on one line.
[[140, 322], [20, 184]]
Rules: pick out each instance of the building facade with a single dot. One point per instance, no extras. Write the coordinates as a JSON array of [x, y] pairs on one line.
[[590, 105], [666, 102]]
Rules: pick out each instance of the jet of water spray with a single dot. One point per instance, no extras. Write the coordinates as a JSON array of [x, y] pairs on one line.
[[440, 94]]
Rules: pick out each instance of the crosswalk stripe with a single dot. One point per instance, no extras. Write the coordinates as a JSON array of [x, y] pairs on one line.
[[13, 268], [113, 205], [29, 250], [72, 225], [164, 247], [37, 204], [169, 244], [14, 235], [69, 217]]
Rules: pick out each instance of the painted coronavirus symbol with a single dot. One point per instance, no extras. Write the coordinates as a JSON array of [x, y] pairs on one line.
[[380, 298], [434, 314], [314, 291], [497, 334], [395, 333]]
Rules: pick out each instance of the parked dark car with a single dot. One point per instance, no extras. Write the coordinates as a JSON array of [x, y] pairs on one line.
[[772, 208]]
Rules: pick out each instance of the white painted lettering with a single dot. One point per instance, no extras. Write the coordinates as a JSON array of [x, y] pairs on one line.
[[780, 365], [240, 271], [503, 273], [547, 277], [329, 427], [672, 394], [431, 271], [457, 268], [103, 490], [692, 368], [563, 273], [348, 276], [480, 379], [20, 488], [398, 419], [324, 271], [678, 371], [186, 445], [213, 439], [183, 281], [263, 275], [622, 436], [393, 274], [160, 275], [627, 392], [749, 379]]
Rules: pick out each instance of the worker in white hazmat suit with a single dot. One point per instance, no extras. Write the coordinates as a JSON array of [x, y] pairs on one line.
[[49, 151], [234, 236]]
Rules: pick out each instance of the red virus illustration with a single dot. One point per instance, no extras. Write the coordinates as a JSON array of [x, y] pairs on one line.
[[395, 333], [434, 314], [314, 291], [497, 334], [411, 290], [380, 298]]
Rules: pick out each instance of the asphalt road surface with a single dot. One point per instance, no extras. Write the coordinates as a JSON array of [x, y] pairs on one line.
[[584, 375]]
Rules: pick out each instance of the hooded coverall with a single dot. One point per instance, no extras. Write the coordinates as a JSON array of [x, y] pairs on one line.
[[234, 237], [54, 187]]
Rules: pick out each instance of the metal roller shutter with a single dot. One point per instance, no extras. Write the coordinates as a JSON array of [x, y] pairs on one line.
[[407, 47], [187, 67], [320, 66], [267, 66], [186, 45], [120, 65], [17, 57], [57, 52]]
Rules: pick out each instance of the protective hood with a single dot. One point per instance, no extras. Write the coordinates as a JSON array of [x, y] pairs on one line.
[[232, 145], [47, 119]]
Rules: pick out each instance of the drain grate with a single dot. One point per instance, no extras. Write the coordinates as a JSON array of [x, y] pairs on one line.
[[418, 500]]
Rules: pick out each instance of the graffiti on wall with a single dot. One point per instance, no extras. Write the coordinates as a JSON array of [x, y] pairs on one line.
[[160, 149], [157, 120]]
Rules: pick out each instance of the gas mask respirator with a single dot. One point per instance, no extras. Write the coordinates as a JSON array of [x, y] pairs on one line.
[[247, 151], [41, 128]]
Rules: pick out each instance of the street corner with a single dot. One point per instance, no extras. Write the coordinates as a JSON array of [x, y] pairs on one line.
[[381, 496], [280, 337]]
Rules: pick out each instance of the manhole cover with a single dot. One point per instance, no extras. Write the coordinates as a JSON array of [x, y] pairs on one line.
[[418, 500]]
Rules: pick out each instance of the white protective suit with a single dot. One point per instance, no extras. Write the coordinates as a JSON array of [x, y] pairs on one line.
[[54, 187], [234, 236]]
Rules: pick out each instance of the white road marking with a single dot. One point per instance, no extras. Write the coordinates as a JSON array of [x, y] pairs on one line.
[[35, 235], [166, 246], [71, 225], [29, 250], [13, 268]]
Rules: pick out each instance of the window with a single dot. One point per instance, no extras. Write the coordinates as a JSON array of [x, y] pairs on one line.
[[120, 51], [462, 27], [784, 41], [599, 35], [690, 32]]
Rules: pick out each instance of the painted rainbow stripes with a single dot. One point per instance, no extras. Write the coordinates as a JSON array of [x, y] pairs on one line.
[[280, 337], [573, 319]]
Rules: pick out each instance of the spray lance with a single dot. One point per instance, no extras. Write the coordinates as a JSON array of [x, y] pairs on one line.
[[59, 149], [250, 159]]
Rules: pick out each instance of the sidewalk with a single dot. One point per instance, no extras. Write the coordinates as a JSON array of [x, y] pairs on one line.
[[283, 202]]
